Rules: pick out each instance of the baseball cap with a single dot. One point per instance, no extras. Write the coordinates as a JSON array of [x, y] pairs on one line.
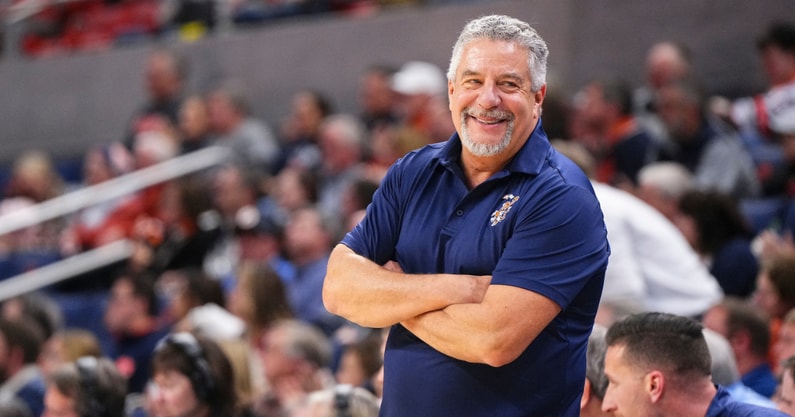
[[417, 77]]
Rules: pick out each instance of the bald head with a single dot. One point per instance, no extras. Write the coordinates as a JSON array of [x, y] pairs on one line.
[[666, 62]]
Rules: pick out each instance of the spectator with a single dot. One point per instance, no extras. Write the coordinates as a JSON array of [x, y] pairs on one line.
[[308, 240], [186, 289], [165, 73], [65, 346], [341, 146], [756, 115], [780, 180], [659, 364], [622, 145], [652, 267], [785, 397], [131, 318], [296, 358], [235, 191], [191, 375], [171, 237], [775, 290], [89, 386], [784, 345], [28, 248], [389, 143], [725, 374], [377, 101], [666, 61], [748, 332], [420, 88], [37, 306], [232, 125], [260, 300], [595, 379], [360, 361], [712, 223], [342, 400], [194, 124], [707, 147], [358, 196], [105, 222], [34, 176], [662, 185], [293, 188], [301, 131], [20, 343]]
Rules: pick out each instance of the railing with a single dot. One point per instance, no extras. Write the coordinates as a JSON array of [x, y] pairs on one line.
[[79, 199]]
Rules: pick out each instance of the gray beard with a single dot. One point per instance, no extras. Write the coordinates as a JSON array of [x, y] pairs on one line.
[[483, 149]]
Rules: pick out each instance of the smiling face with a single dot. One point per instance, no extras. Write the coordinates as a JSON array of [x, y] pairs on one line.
[[494, 109]]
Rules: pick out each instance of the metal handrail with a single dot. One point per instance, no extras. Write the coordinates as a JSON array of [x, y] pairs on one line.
[[108, 254], [66, 268], [114, 188]]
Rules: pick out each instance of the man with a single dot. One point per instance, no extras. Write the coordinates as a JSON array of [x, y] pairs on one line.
[[652, 266], [20, 343], [704, 144], [485, 254], [296, 358], [776, 48], [232, 125], [725, 373], [785, 397], [658, 364], [89, 387], [308, 238], [748, 332], [131, 319], [165, 74], [595, 379], [622, 146]]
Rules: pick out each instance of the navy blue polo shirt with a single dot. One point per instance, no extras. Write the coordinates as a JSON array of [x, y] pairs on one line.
[[723, 405], [536, 225]]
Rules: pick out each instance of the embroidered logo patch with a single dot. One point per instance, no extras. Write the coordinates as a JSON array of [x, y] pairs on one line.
[[500, 213]]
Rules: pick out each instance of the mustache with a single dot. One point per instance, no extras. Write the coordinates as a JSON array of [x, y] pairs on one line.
[[488, 114]]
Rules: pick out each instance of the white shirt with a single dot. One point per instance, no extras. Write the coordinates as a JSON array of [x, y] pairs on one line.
[[651, 264]]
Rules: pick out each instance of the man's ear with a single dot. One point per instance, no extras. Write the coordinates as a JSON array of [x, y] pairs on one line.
[[655, 385], [586, 394], [450, 91]]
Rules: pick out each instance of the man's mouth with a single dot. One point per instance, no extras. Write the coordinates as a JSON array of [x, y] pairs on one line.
[[490, 118]]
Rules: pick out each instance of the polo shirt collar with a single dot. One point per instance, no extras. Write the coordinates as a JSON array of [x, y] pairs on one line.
[[528, 160]]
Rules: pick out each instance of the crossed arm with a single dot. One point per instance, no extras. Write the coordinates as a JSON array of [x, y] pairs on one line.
[[462, 316]]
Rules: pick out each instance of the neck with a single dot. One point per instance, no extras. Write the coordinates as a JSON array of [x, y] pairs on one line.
[[690, 401], [746, 364], [478, 169]]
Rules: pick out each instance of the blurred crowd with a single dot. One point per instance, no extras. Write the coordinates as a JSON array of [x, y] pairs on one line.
[[59, 27], [219, 308]]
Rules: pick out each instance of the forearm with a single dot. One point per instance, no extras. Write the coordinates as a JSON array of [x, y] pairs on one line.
[[494, 332], [374, 296]]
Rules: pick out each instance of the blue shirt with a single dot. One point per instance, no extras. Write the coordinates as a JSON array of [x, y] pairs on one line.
[[723, 405], [761, 379], [535, 225]]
